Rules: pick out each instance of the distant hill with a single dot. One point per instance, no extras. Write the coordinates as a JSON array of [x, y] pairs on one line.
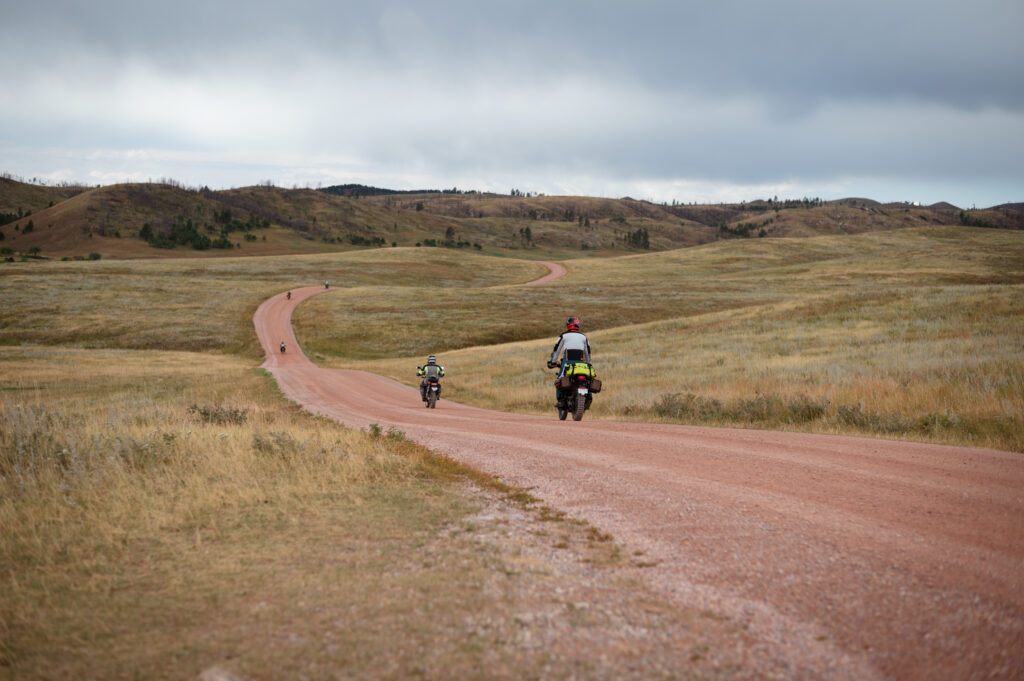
[[1010, 207], [27, 198], [159, 220]]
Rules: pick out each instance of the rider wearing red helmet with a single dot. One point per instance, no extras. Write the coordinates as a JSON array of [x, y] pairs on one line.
[[571, 346]]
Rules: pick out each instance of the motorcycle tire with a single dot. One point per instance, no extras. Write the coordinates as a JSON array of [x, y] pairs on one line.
[[562, 413], [431, 399], [577, 412]]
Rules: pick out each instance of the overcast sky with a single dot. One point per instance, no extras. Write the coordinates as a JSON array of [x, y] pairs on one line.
[[726, 100]]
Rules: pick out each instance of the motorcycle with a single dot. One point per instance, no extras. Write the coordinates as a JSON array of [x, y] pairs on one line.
[[433, 392], [282, 348], [578, 384]]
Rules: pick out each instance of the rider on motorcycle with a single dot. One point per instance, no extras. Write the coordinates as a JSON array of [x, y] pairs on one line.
[[571, 346], [282, 346], [430, 370]]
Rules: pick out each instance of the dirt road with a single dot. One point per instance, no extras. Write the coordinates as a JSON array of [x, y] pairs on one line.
[[835, 557], [554, 272]]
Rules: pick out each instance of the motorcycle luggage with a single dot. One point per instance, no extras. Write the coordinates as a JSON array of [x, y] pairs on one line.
[[579, 369], [563, 382], [595, 385]]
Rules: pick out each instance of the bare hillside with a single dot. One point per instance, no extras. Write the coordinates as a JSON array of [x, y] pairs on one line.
[[159, 220]]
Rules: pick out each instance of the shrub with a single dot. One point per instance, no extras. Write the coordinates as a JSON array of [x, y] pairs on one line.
[[759, 409], [877, 422], [219, 414]]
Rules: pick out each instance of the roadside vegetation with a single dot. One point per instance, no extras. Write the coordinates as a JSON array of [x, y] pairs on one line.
[[168, 513]]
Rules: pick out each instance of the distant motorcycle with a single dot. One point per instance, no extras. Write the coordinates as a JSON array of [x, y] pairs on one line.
[[289, 295], [577, 384], [282, 347]]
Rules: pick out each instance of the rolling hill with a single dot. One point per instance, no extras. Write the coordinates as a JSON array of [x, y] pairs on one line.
[[159, 220]]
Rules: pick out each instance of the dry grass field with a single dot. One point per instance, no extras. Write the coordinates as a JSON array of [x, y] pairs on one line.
[[165, 513], [913, 334], [207, 305]]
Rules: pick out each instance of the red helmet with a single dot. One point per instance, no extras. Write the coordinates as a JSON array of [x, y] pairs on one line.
[[572, 324]]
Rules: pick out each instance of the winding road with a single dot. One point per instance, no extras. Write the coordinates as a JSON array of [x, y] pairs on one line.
[[835, 557]]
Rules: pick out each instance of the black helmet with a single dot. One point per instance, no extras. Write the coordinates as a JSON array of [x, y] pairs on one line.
[[572, 324]]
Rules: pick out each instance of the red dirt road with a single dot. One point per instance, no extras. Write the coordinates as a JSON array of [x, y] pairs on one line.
[[554, 272], [835, 557]]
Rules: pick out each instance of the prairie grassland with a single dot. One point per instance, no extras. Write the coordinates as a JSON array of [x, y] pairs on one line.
[[914, 334], [200, 305], [163, 513], [615, 292], [114, 491]]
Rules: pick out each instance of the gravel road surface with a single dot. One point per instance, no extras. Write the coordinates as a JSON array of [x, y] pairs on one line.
[[835, 557]]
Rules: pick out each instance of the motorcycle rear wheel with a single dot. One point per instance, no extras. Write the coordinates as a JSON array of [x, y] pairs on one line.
[[580, 407], [431, 399]]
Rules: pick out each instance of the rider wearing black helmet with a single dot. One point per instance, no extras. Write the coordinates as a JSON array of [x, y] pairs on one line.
[[571, 346]]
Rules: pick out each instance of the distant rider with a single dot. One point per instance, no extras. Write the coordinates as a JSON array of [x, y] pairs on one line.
[[326, 285], [289, 295], [571, 346], [430, 369], [282, 346]]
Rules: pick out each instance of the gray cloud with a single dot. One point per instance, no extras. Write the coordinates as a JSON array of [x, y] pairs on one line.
[[745, 95]]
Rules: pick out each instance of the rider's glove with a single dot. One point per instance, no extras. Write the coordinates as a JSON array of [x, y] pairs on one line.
[[551, 365]]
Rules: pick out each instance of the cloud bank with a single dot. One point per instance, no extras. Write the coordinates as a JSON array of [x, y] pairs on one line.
[[898, 100]]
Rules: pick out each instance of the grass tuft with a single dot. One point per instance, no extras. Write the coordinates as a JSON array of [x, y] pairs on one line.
[[760, 409]]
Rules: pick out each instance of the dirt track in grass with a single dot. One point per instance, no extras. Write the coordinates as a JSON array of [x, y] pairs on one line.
[[834, 557]]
